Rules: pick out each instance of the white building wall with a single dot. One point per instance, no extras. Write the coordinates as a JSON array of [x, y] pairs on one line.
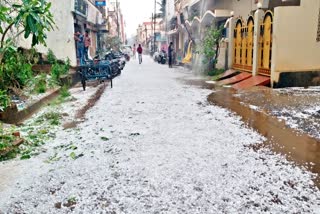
[[295, 46], [241, 8], [60, 40]]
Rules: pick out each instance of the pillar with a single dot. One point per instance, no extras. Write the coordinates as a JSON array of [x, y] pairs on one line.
[[257, 20], [231, 41]]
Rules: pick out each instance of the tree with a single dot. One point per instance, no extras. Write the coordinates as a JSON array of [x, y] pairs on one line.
[[31, 18], [162, 5], [210, 45], [113, 43]]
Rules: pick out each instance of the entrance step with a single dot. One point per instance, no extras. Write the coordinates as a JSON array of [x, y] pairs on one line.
[[227, 74], [252, 81], [235, 79]]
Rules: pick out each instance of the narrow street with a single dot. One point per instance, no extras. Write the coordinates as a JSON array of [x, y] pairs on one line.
[[153, 144]]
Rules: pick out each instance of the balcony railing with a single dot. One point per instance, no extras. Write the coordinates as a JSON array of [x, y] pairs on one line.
[[81, 7]]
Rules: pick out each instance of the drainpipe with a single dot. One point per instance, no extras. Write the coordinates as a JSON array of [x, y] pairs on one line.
[[257, 20], [231, 40]]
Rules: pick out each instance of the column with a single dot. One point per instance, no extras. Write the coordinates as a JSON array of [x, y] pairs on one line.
[[257, 20], [231, 42]]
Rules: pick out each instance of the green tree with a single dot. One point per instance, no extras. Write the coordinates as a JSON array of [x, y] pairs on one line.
[[31, 18], [210, 45], [113, 43], [162, 5]]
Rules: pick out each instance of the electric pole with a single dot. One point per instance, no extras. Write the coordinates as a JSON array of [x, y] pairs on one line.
[[154, 21]]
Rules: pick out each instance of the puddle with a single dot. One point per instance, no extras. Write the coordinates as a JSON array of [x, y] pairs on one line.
[[297, 147]]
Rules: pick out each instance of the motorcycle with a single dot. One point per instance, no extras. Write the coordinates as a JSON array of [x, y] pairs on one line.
[[116, 58], [162, 58]]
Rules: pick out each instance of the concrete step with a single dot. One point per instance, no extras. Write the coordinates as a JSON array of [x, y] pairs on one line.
[[252, 81], [235, 79], [227, 74]]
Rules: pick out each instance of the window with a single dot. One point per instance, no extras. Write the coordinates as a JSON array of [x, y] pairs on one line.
[[222, 23]]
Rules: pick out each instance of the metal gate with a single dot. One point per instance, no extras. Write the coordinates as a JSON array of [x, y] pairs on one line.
[[265, 44], [243, 48]]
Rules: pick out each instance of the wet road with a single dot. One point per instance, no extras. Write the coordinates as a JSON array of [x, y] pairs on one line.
[[154, 145], [280, 138]]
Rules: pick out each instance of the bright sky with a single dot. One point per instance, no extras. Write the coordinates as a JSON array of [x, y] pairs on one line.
[[135, 12]]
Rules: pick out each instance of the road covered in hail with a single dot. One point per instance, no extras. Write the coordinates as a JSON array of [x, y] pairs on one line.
[[153, 144]]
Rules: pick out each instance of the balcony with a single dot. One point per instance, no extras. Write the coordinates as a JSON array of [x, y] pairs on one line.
[[81, 7]]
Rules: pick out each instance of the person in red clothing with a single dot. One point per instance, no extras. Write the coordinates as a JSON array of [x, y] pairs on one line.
[[139, 50]]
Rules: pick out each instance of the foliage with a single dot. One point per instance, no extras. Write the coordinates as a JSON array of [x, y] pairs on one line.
[[15, 71], [57, 70], [64, 92], [31, 17], [5, 141], [41, 84], [35, 133], [162, 5], [210, 46], [73, 155], [4, 100], [7, 150], [53, 158], [52, 117], [215, 72], [67, 65], [51, 57], [113, 43]]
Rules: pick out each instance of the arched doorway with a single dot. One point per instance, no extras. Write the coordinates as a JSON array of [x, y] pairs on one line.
[[237, 44], [243, 45], [265, 44], [250, 32]]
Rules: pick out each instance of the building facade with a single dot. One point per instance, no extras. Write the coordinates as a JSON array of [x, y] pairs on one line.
[[260, 36], [70, 17], [89, 17], [146, 32], [116, 21]]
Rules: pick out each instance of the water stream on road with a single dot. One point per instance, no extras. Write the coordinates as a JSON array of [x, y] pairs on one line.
[[297, 147]]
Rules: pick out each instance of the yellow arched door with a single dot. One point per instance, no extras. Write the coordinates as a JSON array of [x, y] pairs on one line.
[[265, 45], [237, 43], [250, 26], [243, 48]]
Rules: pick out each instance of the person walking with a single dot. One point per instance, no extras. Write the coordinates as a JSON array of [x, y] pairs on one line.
[[170, 55], [134, 51], [87, 44], [78, 37], [139, 50]]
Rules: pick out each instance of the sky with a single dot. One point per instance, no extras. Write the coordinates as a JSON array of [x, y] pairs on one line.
[[135, 12]]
